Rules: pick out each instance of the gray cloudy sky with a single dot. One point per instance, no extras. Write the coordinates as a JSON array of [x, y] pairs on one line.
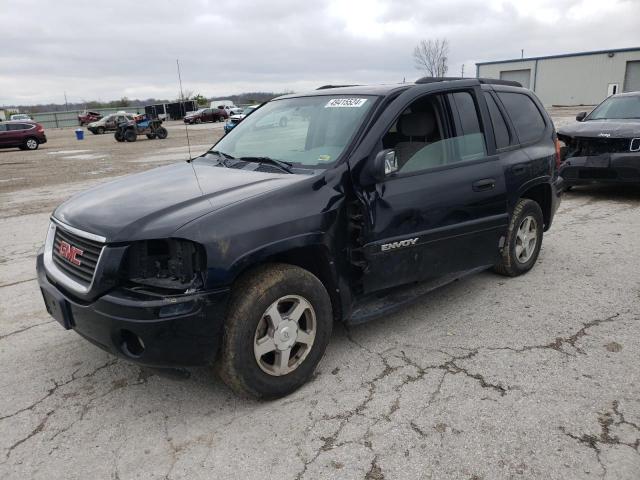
[[105, 50]]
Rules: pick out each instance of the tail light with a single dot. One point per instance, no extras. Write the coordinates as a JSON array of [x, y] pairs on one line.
[[39, 128], [558, 156]]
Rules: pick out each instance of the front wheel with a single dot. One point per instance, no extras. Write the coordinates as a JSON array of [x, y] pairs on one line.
[[524, 239], [161, 133], [118, 136], [276, 331], [99, 130]]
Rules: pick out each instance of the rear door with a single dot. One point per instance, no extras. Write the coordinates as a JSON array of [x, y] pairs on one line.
[[16, 133], [445, 210]]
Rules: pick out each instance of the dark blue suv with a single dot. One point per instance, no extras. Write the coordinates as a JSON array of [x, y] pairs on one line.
[[361, 199]]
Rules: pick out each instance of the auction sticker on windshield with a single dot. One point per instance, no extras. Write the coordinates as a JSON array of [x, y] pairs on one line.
[[345, 102]]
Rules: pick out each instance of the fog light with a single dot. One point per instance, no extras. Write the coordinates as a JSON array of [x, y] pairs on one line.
[[132, 345], [176, 309]]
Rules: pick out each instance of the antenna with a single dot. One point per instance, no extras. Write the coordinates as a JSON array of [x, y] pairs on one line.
[[186, 129]]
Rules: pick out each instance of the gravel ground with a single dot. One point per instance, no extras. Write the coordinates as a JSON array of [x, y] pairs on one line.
[[487, 378]]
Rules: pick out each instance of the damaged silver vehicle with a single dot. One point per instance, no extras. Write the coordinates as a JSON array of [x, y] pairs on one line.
[[604, 145]]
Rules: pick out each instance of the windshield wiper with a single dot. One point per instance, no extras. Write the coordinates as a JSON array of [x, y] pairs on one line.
[[222, 157], [285, 166]]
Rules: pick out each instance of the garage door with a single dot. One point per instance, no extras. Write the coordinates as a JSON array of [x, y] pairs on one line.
[[521, 76], [632, 77]]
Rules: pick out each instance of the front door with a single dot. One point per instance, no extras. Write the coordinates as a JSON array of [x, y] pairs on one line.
[[445, 209], [4, 134]]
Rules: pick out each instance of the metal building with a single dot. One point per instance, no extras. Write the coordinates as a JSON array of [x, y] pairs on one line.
[[584, 78]]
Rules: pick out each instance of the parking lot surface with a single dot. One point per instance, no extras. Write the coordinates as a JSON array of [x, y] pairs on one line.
[[487, 378]]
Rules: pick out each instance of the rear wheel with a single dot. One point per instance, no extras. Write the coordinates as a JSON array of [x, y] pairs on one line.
[[161, 133], [130, 136], [276, 331], [31, 144], [524, 239]]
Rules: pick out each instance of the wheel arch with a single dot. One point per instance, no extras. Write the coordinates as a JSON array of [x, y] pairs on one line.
[[541, 193], [315, 258]]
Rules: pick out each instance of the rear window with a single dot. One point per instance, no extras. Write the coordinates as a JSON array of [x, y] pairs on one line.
[[500, 129], [524, 114]]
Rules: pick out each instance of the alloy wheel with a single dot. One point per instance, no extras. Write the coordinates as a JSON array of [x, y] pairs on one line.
[[285, 335], [526, 239]]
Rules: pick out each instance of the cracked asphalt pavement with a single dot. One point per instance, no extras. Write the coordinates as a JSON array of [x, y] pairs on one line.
[[486, 378]]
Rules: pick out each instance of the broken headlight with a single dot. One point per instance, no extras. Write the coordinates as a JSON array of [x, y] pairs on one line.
[[168, 266]]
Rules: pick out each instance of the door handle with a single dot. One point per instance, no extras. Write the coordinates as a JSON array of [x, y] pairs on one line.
[[483, 185]]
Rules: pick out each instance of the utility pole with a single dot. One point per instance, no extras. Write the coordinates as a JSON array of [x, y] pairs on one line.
[[66, 104], [462, 72], [522, 53]]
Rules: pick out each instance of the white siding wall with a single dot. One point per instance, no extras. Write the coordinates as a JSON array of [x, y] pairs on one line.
[[578, 80]]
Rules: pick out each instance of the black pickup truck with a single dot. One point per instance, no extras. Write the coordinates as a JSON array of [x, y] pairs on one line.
[[364, 199]]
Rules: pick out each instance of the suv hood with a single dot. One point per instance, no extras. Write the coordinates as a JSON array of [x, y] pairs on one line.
[[602, 129], [154, 204]]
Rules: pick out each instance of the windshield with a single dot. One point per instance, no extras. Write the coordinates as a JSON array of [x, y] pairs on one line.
[[309, 132], [617, 108]]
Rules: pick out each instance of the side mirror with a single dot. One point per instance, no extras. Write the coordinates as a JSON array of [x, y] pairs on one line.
[[580, 116], [384, 164]]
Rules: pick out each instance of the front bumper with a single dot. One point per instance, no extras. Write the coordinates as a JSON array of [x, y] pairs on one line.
[[607, 168], [159, 331]]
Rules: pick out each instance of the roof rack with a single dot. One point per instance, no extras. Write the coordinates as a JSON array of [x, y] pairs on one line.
[[490, 81], [325, 87]]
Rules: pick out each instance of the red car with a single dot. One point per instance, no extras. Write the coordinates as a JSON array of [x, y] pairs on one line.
[[21, 134], [87, 117], [206, 115]]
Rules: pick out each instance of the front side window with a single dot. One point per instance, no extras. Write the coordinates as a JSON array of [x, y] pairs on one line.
[[626, 107], [526, 118], [309, 132], [436, 131]]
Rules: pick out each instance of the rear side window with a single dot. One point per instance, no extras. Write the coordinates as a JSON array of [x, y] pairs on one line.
[[524, 114], [500, 129], [18, 126], [3, 127]]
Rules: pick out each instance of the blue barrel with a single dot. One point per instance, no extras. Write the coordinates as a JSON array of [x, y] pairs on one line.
[[79, 134]]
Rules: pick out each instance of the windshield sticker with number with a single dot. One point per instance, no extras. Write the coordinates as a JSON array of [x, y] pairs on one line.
[[345, 102]]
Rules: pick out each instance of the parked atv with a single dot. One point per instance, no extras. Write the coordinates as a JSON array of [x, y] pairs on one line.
[[129, 130]]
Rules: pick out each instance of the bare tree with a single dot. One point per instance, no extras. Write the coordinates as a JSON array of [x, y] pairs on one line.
[[432, 56]]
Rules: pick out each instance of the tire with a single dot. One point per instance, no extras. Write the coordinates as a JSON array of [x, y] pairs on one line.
[[130, 136], [31, 143], [247, 322], [517, 260], [198, 121], [161, 133], [100, 130], [118, 136], [151, 136]]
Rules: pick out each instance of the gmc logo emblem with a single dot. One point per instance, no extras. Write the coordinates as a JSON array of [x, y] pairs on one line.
[[70, 252]]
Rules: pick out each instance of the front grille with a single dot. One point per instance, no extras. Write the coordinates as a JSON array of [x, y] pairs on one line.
[[598, 174], [597, 146], [87, 255]]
